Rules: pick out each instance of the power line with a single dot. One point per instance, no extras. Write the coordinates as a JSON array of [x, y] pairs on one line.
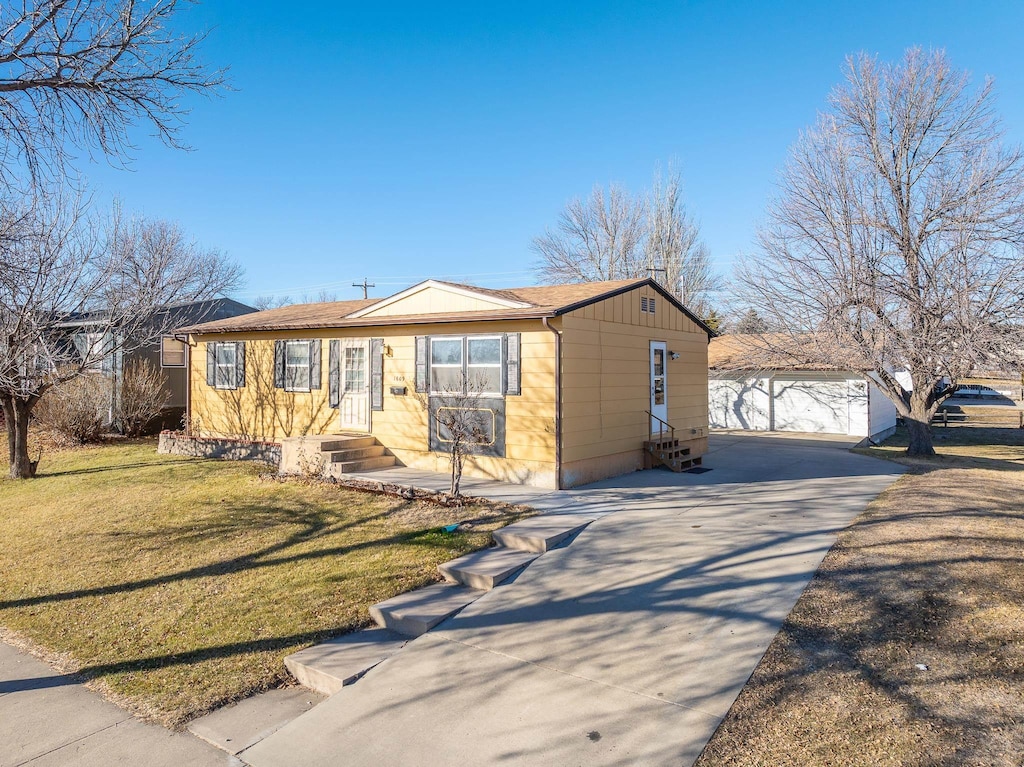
[[365, 286]]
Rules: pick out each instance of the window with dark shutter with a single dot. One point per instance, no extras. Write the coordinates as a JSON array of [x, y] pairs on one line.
[[376, 374], [422, 381], [334, 373], [279, 364], [211, 364], [315, 357], [240, 364], [513, 372]]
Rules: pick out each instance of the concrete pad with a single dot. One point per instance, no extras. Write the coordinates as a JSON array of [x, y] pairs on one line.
[[134, 743], [416, 612], [643, 631], [457, 705], [234, 728], [541, 533], [329, 666], [47, 718], [487, 568]]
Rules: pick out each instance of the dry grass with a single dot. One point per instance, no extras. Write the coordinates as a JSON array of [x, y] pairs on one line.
[[178, 585], [932, 574]]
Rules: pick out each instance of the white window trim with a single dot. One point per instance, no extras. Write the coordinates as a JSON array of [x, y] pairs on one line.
[[464, 366], [309, 366], [184, 355], [217, 366]]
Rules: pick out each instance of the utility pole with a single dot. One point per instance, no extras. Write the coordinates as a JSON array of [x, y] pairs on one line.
[[365, 286]]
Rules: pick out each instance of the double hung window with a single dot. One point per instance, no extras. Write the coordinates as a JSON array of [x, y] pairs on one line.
[[172, 352], [297, 359], [227, 359], [466, 365]]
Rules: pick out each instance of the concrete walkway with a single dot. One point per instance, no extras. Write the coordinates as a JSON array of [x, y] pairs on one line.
[[47, 718], [627, 647]]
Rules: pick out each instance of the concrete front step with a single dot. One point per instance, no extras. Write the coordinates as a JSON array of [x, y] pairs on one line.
[[541, 533], [346, 442], [487, 568], [330, 666], [416, 612], [355, 454], [366, 464]]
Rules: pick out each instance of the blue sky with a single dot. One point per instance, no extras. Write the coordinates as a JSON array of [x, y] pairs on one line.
[[400, 141]]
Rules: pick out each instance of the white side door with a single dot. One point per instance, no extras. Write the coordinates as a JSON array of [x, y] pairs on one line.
[[355, 384], [659, 385]]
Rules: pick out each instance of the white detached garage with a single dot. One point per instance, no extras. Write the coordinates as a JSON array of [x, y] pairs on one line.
[[749, 389]]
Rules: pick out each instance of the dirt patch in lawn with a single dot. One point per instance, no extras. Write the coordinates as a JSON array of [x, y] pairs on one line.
[[907, 648], [177, 584]]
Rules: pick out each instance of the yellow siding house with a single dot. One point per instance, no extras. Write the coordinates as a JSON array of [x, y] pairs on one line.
[[573, 383]]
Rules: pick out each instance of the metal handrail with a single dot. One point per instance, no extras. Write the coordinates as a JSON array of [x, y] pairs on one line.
[[662, 426]]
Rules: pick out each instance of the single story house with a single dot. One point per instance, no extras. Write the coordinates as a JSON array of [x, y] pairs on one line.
[[571, 380], [753, 385], [89, 333]]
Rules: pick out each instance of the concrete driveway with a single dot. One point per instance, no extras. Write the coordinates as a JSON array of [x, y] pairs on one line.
[[626, 647]]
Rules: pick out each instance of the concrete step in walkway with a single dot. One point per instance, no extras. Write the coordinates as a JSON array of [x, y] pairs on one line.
[[330, 666], [363, 464], [486, 568], [541, 533], [416, 612]]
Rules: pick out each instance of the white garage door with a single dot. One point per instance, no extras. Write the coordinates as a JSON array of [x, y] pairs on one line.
[[821, 406]]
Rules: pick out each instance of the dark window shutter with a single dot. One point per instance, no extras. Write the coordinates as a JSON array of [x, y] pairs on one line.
[[513, 368], [279, 364], [314, 364], [421, 364], [334, 373], [211, 364], [376, 374], [240, 364]]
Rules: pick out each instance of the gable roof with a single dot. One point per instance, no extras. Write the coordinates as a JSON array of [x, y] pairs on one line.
[[510, 303]]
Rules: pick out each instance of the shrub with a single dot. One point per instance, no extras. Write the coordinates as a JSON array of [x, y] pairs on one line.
[[78, 409], [143, 398]]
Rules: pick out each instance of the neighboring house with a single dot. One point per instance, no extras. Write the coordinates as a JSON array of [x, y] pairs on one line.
[[565, 375], [167, 354], [752, 385]]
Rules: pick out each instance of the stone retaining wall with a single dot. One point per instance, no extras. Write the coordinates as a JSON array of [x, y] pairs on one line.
[[211, 447]]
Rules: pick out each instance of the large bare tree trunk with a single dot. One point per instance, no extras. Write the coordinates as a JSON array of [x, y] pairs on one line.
[[16, 417], [919, 425]]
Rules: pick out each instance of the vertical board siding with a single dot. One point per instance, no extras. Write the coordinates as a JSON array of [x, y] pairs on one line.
[[606, 377]]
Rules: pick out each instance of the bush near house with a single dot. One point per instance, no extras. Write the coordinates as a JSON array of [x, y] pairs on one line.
[[177, 584]]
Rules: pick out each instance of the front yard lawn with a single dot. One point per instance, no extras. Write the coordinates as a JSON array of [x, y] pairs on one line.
[[178, 584], [907, 648]]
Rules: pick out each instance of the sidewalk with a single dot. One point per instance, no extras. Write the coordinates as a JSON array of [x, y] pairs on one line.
[[48, 718]]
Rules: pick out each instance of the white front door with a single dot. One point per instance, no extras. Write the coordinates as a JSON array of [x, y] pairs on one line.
[[355, 384], [659, 399]]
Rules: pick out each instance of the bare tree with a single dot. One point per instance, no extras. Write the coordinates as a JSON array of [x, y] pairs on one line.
[[896, 242], [66, 271], [615, 236], [80, 73], [462, 425], [600, 238], [143, 398], [674, 253]]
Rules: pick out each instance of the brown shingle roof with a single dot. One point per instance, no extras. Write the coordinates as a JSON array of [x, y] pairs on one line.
[[545, 301], [763, 351]]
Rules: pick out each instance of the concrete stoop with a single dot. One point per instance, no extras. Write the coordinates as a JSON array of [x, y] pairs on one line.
[[337, 662], [487, 568], [541, 533], [328, 667], [335, 454]]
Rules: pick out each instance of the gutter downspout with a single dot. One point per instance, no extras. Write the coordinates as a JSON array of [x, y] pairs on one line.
[[188, 386], [558, 402]]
